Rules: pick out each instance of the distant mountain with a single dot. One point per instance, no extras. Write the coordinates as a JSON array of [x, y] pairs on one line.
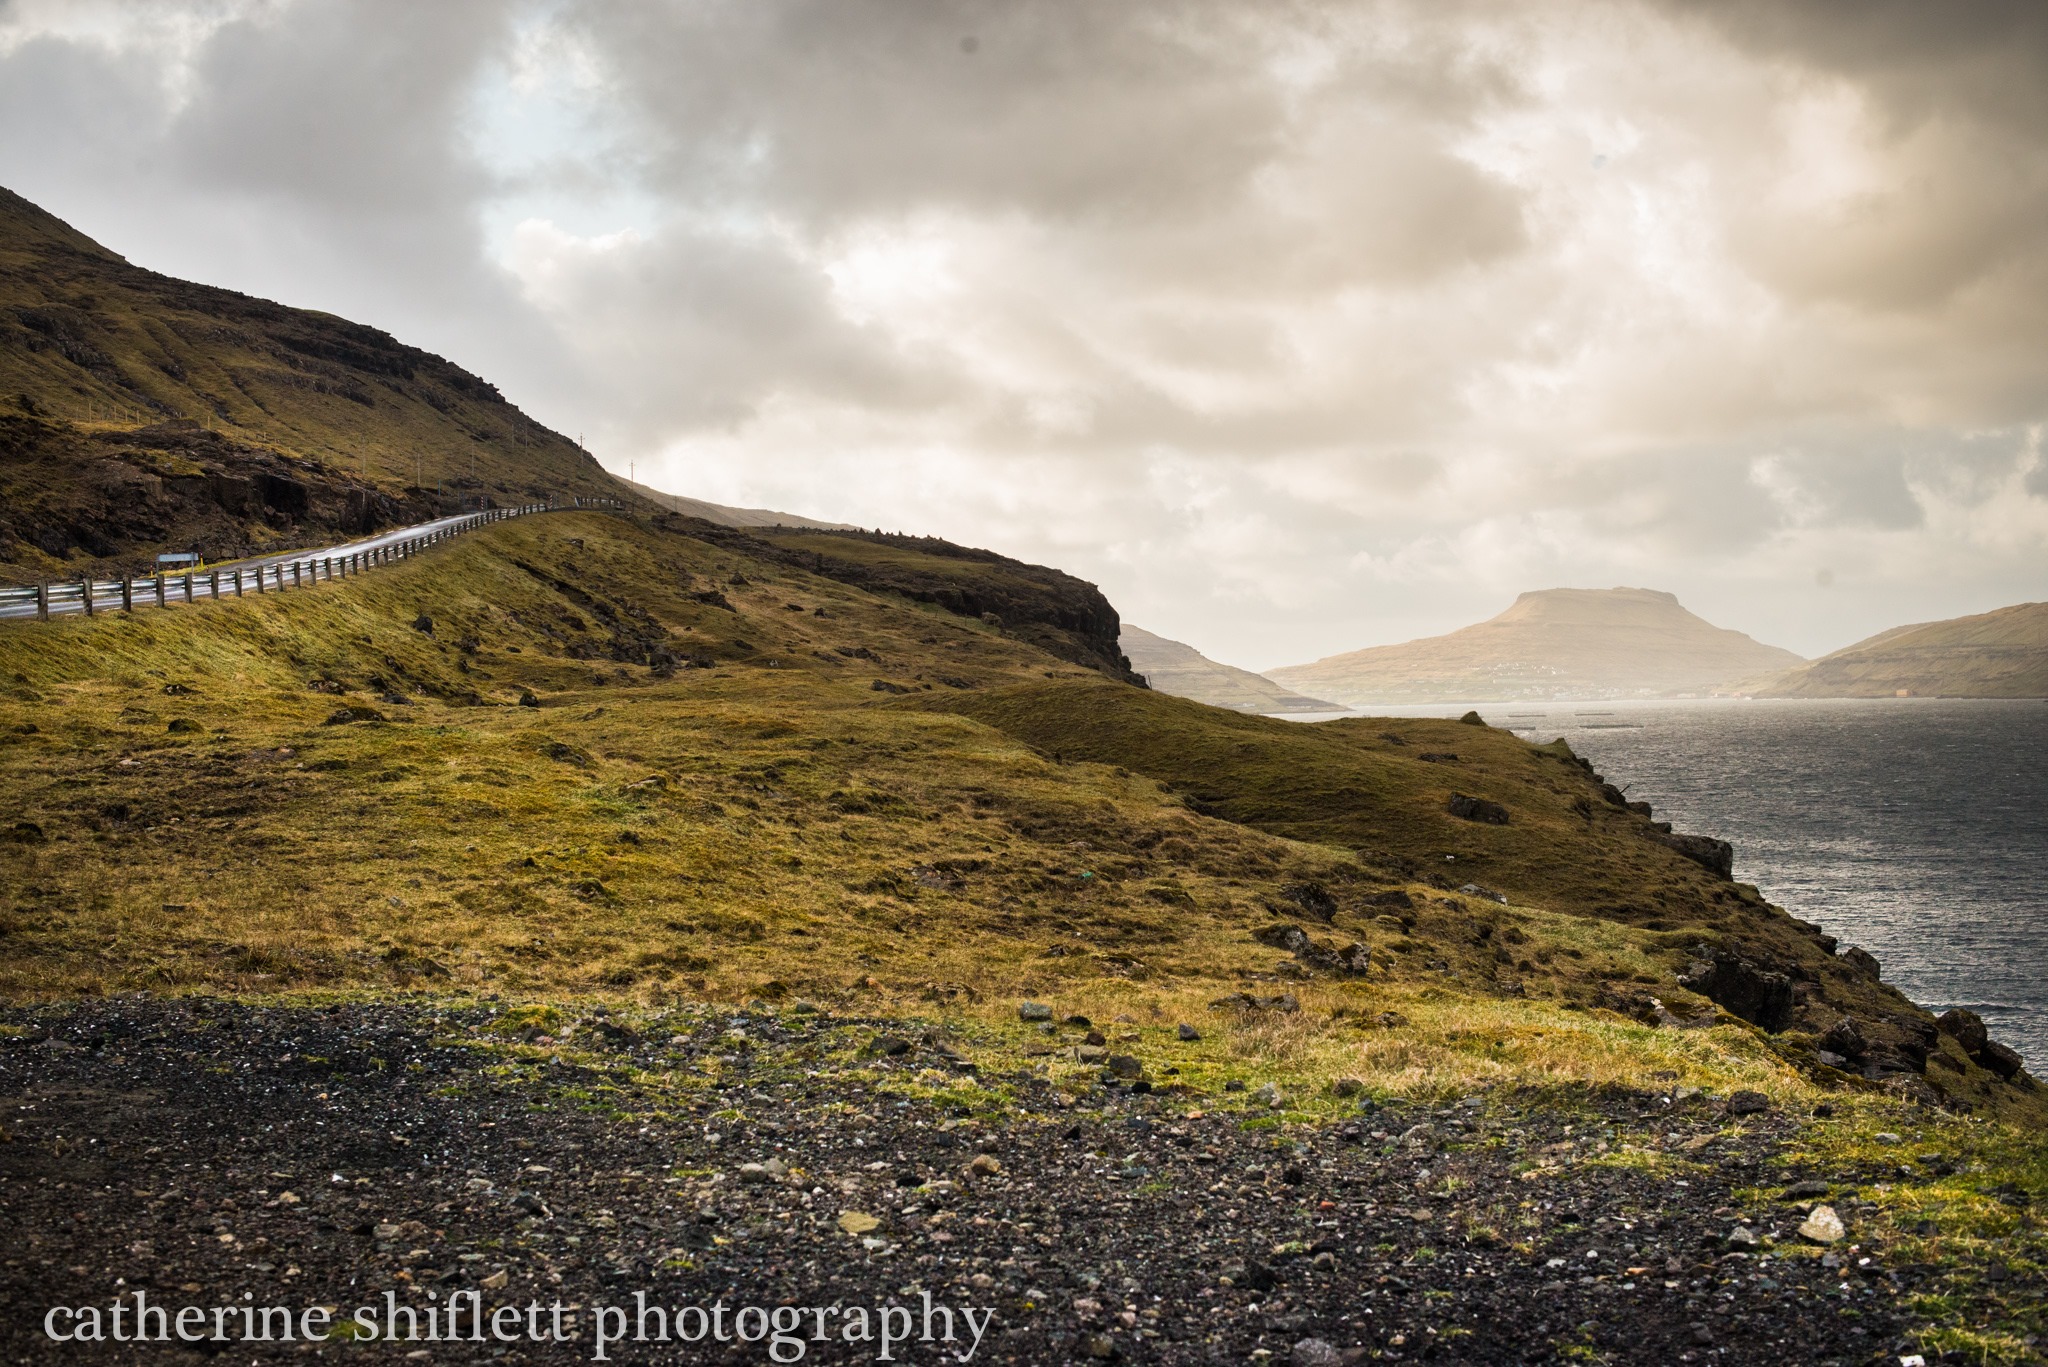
[[2001, 654], [1553, 643], [731, 517], [1184, 672]]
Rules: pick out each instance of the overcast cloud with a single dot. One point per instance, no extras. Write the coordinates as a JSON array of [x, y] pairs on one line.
[[1298, 327]]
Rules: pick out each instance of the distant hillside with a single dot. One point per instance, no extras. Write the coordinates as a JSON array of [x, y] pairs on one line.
[[2001, 654], [138, 411], [731, 517], [1553, 643], [1185, 672]]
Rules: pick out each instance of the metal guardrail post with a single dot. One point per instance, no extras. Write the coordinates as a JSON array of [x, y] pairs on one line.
[[88, 595], [188, 586]]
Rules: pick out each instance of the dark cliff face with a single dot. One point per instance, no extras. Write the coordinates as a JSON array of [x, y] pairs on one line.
[[108, 501], [1066, 617]]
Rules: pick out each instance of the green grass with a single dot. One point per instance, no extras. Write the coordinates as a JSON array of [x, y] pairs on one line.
[[767, 825]]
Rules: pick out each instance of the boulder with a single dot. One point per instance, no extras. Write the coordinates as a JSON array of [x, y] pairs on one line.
[[1861, 960], [1468, 808], [2000, 1060], [1280, 935], [1758, 995], [1846, 1039], [1033, 1011], [1313, 898], [1822, 1226], [1716, 856], [1965, 1028]]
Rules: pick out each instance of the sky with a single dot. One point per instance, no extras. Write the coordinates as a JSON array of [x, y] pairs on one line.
[[1297, 327]]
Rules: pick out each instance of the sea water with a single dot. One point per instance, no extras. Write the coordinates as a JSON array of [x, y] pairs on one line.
[[1916, 828]]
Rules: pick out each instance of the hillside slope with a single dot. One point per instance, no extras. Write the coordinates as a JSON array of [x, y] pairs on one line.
[[734, 776], [726, 516], [1184, 672], [138, 412], [1551, 643], [2000, 654]]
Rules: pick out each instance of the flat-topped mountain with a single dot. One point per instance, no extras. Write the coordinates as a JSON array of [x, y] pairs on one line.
[[1552, 643], [1999, 654], [1181, 670]]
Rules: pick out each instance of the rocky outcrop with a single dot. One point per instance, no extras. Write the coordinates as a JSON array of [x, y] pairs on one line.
[[1066, 617], [1468, 808], [1966, 1028], [1709, 853], [1351, 958], [1759, 995]]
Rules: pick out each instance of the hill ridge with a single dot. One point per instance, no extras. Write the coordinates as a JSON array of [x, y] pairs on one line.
[[2002, 653]]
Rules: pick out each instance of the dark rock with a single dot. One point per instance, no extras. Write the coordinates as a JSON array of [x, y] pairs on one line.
[[1468, 808], [1717, 856], [1187, 1032], [1965, 1028], [2000, 1060], [1806, 1190], [1473, 719], [1313, 898], [1860, 959], [526, 698], [343, 716], [1395, 898], [884, 686], [1758, 995], [1280, 935], [1748, 1103], [1437, 757], [423, 624], [888, 1046], [1479, 890], [1846, 1039], [1123, 1065], [26, 833], [182, 726]]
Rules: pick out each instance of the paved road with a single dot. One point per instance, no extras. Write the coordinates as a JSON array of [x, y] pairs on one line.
[[284, 571]]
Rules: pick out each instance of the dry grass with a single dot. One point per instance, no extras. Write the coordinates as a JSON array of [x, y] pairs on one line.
[[767, 826]]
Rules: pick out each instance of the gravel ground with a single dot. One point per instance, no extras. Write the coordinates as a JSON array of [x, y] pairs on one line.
[[212, 1154]]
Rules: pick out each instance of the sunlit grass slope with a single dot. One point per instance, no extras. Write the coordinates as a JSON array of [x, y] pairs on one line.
[[739, 779]]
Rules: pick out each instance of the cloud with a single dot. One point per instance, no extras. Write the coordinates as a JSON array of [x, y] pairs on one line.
[[1298, 326]]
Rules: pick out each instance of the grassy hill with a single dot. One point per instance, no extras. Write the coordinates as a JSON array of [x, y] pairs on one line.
[[1181, 670], [2001, 654], [138, 411], [1554, 643], [738, 778]]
